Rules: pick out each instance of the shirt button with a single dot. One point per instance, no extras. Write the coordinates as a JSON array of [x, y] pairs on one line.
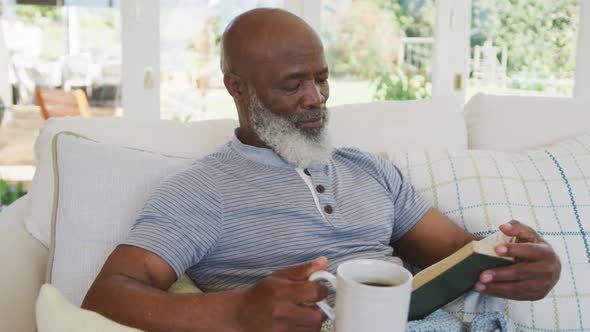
[[328, 209], [320, 189], [306, 172]]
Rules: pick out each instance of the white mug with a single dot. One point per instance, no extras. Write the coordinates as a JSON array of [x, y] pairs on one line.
[[363, 307]]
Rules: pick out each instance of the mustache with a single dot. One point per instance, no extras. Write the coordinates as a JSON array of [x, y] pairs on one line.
[[313, 113]]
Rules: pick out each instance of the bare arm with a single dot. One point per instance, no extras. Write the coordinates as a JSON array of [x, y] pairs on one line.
[[131, 289], [433, 238], [537, 267]]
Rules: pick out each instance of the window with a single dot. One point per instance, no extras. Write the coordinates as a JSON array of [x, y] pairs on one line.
[[74, 46], [378, 49], [191, 84], [523, 47]]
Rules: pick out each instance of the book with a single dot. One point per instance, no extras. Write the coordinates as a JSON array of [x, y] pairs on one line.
[[451, 277]]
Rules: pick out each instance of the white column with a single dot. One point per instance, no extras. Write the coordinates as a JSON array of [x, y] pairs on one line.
[[73, 31], [450, 59], [309, 10], [312, 13], [294, 6], [140, 39], [582, 83], [5, 88]]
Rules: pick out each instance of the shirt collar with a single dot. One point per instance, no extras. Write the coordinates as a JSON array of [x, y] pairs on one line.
[[264, 156]]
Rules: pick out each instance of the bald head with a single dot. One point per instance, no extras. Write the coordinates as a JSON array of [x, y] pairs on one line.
[[274, 68], [257, 35]]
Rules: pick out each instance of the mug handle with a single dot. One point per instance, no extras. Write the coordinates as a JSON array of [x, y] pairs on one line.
[[329, 277]]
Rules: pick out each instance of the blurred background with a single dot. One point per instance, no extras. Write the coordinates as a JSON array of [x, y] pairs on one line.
[[161, 58]]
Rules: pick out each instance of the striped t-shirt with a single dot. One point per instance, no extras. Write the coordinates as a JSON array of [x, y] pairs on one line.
[[242, 212]]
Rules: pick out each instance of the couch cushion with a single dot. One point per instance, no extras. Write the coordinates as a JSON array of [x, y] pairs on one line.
[[371, 126], [167, 137], [435, 123], [100, 190], [512, 123], [547, 189]]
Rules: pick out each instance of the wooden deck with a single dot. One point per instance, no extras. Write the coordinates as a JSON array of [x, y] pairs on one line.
[[20, 127]]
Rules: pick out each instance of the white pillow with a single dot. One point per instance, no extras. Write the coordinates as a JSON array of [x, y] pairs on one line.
[[547, 189], [512, 123], [101, 189], [162, 136], [435, 123], [55, 313]]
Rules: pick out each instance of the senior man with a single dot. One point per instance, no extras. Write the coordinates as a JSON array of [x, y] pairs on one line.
[[252, 220]]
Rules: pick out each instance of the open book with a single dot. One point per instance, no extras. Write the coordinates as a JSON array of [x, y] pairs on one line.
[[448, 279]]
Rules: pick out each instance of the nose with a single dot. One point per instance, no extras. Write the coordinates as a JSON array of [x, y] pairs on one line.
[[312, 97]]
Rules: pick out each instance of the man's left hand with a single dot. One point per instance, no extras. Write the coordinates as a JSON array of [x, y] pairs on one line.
[[535, 272]]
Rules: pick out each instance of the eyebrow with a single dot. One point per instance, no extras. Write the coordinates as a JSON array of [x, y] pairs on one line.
[[299, 75]]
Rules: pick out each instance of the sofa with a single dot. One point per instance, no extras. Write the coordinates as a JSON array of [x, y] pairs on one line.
[[494, 159]]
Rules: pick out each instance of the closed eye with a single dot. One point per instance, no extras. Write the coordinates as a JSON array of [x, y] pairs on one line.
[[292, 88]]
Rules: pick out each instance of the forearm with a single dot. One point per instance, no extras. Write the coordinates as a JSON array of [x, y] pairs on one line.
[[135, 304], [433, 238]]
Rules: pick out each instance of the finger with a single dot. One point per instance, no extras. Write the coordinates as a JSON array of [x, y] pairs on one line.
[[522, 232], [315, 318], [525, 251], [511, 273], [303, 271], [520, 290], [295, 315], [308, 292]]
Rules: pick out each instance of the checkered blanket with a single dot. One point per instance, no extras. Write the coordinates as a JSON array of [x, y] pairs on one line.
[[441, 321]]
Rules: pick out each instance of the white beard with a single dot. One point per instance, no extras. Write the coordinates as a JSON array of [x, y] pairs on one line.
[[298, 146]]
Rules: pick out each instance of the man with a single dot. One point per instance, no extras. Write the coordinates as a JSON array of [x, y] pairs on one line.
[[243, 221]]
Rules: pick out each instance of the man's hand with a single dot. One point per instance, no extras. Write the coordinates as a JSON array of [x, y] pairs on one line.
[[535, 272], [276, 303]]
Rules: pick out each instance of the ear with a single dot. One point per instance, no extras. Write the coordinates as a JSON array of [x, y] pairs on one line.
[[235, 85]]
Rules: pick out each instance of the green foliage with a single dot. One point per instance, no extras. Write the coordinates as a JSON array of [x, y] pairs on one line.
[[414, 17], [540, 35], [401, 83], [355, 38], [31, 13], [363, 40], [184, 119], [10, 193]]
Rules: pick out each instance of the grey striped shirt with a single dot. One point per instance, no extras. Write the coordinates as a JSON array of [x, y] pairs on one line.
[[242, 213]]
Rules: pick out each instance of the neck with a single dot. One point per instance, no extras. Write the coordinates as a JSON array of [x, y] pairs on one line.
[[249, 137]]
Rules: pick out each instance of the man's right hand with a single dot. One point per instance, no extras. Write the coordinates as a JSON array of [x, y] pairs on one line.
[[277, 302]]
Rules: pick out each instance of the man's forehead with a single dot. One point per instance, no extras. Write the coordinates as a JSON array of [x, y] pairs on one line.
[[303, 72], [293, 61]]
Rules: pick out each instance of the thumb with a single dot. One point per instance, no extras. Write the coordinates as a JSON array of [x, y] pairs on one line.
[[303, 271]]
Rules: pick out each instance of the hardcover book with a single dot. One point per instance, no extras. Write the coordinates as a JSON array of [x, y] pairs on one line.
[[448, 279]]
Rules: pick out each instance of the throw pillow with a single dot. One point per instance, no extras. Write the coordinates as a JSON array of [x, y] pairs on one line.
[[548, 189], [54, 313], [161, 136], [100, 189]]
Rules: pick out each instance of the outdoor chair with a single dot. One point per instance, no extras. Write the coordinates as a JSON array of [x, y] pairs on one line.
[[59, 103]]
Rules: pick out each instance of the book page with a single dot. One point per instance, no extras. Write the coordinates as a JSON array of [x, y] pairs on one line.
[[487, 244], [497, 238]]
